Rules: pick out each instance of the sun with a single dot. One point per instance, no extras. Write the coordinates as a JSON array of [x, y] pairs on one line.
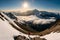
[[25, 5]]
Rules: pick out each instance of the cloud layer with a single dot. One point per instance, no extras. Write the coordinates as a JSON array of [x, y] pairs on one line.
[[35, 20]]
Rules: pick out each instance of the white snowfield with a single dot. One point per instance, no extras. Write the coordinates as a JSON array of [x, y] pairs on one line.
[[6, 31], [52, 36]]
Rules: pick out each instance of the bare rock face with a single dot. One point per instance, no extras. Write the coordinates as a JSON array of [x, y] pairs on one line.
[[38, 38], [19, 37]]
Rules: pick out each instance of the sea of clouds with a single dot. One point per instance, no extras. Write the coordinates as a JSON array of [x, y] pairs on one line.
[[35, 20]]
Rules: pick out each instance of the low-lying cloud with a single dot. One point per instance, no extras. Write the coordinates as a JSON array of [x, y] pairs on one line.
[[35, 20]]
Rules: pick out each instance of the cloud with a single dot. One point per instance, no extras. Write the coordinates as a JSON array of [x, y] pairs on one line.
[[44, 21], [35, 20]]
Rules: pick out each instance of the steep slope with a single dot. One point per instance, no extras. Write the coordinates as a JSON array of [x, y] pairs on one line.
[[53, 33], [52, 36], [6, 31]]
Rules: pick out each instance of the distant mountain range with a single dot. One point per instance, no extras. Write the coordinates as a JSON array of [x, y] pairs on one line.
[[35, 19], [43, 14], [38, 20]]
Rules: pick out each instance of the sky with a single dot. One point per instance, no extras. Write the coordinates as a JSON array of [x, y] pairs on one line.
[[31, 4]]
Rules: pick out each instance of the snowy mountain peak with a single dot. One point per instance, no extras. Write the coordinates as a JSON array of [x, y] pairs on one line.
[[35, 10]]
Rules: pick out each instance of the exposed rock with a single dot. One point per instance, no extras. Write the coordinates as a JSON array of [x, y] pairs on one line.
[[19, 37], [38, 38]]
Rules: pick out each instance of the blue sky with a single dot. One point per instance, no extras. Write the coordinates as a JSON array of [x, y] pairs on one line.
[[39, 4]]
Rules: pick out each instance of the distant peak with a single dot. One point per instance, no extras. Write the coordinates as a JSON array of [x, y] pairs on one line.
[[35, 10]]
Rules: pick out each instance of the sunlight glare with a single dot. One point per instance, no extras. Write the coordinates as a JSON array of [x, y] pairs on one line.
[[25, 5]]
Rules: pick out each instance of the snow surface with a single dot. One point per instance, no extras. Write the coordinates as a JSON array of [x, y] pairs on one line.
[[52, 36], [6, 31]]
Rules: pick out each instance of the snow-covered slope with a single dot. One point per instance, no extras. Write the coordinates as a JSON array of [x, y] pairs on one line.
[[6, 31], [52, 36]]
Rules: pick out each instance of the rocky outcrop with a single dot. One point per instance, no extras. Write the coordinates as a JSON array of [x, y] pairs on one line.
[[19, 37]]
